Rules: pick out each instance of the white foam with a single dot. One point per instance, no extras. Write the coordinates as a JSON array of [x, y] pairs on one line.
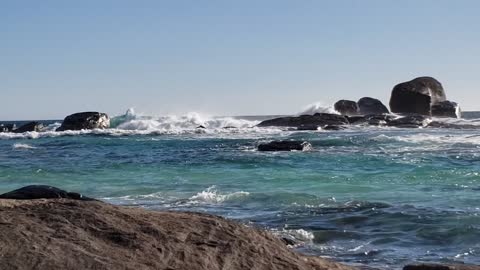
[[22, 146], [317, 107], [212, 196]]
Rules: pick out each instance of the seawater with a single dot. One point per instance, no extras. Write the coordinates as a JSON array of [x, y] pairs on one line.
[[377, 196]]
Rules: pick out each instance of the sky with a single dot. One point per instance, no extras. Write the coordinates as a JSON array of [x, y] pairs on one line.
[[228, 57]]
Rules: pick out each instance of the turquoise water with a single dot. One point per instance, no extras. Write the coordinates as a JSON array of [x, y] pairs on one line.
[[377, 196]]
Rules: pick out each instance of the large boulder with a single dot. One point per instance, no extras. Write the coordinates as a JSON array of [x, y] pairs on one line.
[[417, 96], [446, 109], [346, 107], [32, 126], [77, 235], [368, 105], [318, 119], [285, 146], [42, 192], [85, 120]]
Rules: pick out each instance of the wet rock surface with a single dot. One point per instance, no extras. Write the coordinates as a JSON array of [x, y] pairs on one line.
[[85, 120], [42, 192], [368, 105], [318, 119], [285, 146]]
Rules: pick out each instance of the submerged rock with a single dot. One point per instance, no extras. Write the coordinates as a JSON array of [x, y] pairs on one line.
[[417, 96], [368, 105], [70, 234], [318, 119], [285, 146], [446, 109], [346, 107], [441, 267], [42, 192], [85, 120], [32, 126]]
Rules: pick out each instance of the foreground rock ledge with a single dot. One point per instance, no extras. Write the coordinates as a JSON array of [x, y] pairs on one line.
[[71, 234]]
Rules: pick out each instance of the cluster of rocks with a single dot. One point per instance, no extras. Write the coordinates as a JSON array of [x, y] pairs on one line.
[[413, 104], [76, 121], [31, 126]]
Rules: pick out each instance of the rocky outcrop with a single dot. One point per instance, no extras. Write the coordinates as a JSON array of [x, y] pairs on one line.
[[32, 126], [446, 109], [285, 146], [42, 192], [346, 107], [318, 119], [7, 127], [417, 96], [72, 234], [369, 105], [85, 120]]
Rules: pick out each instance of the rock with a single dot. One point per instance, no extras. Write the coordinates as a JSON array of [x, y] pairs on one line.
[[410, 121], [7, 127], [308, 127], [346, 107], [318, 119], [372, 119], [85, 120], [79, 235], [441, 267], [333, 127], [437, 124], [369, 105], [285, 146], [446, 109], [32, 126], [417, 96], [42, 192], [201, 127]]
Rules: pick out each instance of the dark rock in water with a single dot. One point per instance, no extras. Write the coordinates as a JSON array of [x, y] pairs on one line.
[[229, 127], [7, 127], [333, 127], [42, 192], [288, 241], [346, 107], [417, 96], [369, 105], [372, 119], [32, 126], [437, 124], [85, 120], [285, 146], [441, 267], [318, 119], [446, 109], [308, 127], [201, 127], [409, 121]]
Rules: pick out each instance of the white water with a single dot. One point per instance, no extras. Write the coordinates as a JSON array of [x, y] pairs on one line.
[[22, 146], [317, 107], [212, 196]]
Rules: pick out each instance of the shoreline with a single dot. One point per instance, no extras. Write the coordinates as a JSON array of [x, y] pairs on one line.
[[73, 234]]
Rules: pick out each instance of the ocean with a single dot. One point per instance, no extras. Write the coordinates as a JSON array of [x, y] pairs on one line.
[[378, 196]]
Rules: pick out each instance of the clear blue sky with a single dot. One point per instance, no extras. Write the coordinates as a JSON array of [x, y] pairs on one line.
[[228, 57]]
